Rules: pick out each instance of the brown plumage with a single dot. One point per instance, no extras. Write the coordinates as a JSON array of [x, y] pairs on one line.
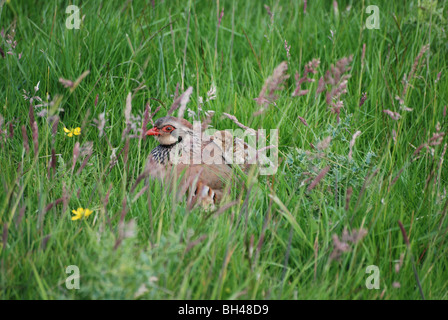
[[203, 164]]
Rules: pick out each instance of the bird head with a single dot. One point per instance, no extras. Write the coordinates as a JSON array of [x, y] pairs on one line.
[[170, 130]]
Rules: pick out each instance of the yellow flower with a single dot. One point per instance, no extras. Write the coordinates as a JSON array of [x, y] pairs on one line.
[[87, 212], [71, 132], [68, 132], [77, 131], [80, 213]]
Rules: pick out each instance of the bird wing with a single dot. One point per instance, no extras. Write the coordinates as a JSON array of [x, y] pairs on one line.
[[234, 150]]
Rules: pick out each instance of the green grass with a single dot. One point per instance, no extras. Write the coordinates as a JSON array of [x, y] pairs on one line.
[[277, 241]]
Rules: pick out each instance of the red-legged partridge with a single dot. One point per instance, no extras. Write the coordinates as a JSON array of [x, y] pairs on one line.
[[205, 164]]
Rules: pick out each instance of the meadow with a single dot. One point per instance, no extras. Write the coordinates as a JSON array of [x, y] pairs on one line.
[[356, 209]]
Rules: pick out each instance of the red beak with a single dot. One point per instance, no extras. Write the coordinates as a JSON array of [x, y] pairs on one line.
[[153, 132]]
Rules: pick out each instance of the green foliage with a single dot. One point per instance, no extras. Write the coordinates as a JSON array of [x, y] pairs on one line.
[[277, 240]]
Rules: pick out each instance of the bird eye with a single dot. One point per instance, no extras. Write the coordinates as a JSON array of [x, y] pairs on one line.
[[168, 128]]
